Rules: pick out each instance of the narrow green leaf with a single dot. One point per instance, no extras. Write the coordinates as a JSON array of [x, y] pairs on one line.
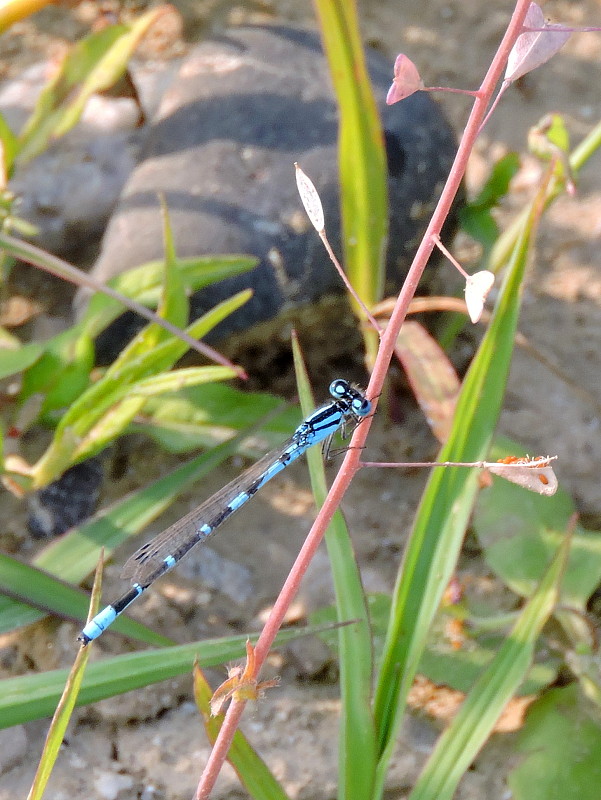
[[62, 372], [173, 306], [64, 710], [75, 554], [361, 152], [204, 416], [180, 379], [93, 64], [29, 697], [9, 144], [38, 592], [467, 733], [70, 444], [445, 508], [357, 742], [117, 419]]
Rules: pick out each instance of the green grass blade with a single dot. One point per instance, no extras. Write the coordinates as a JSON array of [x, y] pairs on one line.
[[41, 593], [180, 379], [445, 508], [467, 733], [357, 742], [29, 697], [62, 714], [361, 152]]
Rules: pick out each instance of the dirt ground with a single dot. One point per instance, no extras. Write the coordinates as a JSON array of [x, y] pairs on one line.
[[150, 743]]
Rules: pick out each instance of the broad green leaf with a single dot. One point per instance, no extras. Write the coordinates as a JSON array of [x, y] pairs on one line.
[[480, 224], [19, 359], [558, 751], [357, 740], [497, 184], [473, 724], [475, 217], [460, 669]]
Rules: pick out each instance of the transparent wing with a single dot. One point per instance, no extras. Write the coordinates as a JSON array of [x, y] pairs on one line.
[[147, 563]]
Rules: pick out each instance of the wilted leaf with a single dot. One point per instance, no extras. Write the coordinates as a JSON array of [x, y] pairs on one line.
[[431, 375], [477, 287], [535, 47], [406, 81], [310, 198]]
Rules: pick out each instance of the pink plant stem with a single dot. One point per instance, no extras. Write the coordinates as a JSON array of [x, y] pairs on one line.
[[350, 465]]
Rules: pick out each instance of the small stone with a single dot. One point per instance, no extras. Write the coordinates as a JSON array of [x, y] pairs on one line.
[[109, 785], [13, 747]]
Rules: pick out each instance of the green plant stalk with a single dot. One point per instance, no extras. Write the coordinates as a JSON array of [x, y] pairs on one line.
[[362, 157], [467, 733], [446, 505], [357, 740]]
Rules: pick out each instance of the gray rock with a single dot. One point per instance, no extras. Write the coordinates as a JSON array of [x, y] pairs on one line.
[[243, 108], [69, 191]]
